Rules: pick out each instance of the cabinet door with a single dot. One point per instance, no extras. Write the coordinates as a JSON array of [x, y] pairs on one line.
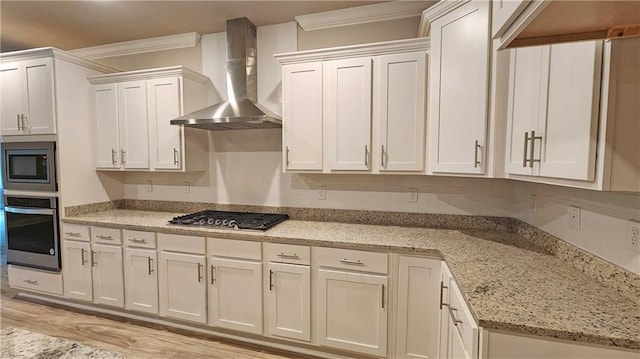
[[235, 294], [347, 113], [39, 95], [352, 311], [458, 98], [132, 116], [165, 140], [302, 116], [76, 266], [108, 282], [418, 314], [182, 286], [141, 280], [288, 296], [569, 134], [526, 106], [456, 345], [11, 98], [107, 128], [400, 95], [503, 13]]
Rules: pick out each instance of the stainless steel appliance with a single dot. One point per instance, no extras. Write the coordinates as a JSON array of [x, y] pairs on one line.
[[29, 166], [231, 220], [31, 227]]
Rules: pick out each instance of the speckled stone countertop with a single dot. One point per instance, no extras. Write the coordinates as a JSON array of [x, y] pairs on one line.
[[510, 284]]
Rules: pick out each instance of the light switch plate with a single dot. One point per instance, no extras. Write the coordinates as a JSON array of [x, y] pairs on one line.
[[322, 192], [413, 195]]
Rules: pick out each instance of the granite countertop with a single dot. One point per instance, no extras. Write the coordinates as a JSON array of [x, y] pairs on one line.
[[509, 283]]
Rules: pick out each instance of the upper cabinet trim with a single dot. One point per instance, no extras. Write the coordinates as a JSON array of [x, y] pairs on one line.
[[147, 74], [437, 11], [161, 43], [342, 52], [362, 14], [52, 52]]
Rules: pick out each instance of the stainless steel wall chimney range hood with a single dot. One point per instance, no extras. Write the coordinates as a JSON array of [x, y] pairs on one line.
[[241, 110]]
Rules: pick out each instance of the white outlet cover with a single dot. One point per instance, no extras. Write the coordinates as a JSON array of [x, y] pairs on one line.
[[632, 237], [574, 218]]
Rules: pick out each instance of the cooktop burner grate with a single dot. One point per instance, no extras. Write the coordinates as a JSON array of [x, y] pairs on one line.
[[231, 220]]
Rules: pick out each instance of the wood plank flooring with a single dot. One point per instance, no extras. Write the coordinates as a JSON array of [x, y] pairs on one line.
[[131, 340]]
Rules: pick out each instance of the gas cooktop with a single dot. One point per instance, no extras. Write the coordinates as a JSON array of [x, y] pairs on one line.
[[230, 220]]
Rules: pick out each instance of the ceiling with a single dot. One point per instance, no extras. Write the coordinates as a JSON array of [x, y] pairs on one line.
[[75, 24]]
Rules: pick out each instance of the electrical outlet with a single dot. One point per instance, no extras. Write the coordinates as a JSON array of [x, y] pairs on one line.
[[633, 236], [149, 186], [322, 192], [413, 195], [533, 203], [187, 187], [574, 218]]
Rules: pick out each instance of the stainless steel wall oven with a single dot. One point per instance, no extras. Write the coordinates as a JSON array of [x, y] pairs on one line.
[[29, 166], [32, 231]]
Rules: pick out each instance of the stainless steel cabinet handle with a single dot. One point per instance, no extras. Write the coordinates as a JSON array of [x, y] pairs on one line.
[[175, 157], [19, 127], [82, 260], [288, 256], [200, 272], [113, 156], [136, 240], [287, 156], [25, 120], [94, 260], [352, 262], [524, 151], [104, 237], [270, 280], [475, 155], [383, 296], [382, 157], [442, 288], [533, 145], [150, 262], [213, 275], [122, 156], [72, 234], [455, 320], [30, 281], [366, 155]]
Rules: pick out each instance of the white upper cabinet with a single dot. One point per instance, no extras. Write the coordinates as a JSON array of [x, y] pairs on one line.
[[133, 114], [355, 109], [400, 111], [458, 95], [27, 97], [553, 110], [347, 113], [302, 116]]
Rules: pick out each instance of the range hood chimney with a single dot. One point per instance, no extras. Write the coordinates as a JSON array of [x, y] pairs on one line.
[[241, 110]]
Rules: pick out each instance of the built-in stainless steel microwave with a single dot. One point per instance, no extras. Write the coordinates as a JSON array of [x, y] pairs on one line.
[[29, 166]]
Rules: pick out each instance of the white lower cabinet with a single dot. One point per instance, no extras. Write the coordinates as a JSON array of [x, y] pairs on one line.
[[235, 286], [288, 291], [417, 307], [140, 271], [351, 306], [92, 271], [182, 277]]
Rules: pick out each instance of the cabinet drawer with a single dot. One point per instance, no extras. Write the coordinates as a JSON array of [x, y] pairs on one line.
[[181, 243], [106, 235], [352, 260], [460, 314], [234, 248], [139, 239], [35, 280], [76, 232], [287, 253]]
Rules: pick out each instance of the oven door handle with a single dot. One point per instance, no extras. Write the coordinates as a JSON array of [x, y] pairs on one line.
[[49, 211]]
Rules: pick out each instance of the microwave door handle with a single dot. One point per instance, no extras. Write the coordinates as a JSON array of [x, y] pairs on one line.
[[48, 211]]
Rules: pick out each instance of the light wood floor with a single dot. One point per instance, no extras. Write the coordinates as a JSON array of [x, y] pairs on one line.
[[132, 341]]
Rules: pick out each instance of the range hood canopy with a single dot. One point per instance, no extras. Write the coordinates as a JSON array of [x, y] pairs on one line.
[[241, 110]]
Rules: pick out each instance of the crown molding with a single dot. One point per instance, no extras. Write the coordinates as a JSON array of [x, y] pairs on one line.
[[161, 43], [436, 11], [146, 74], [343, 52], [362, 14], [52, 52]]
